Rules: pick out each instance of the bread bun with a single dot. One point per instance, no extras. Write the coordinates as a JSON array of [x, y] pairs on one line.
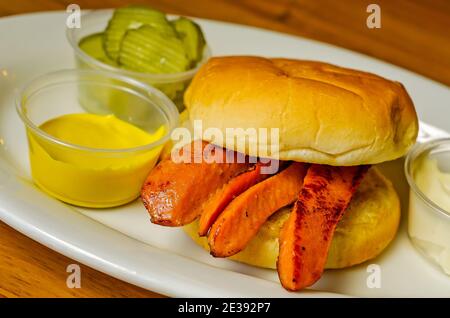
[[368, 225], [325, 114]]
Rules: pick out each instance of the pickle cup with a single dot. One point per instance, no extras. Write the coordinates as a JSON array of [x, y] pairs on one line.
[[84, 176], [95, 22]]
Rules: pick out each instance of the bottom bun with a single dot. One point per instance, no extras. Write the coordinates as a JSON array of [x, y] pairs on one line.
[[369, 224]]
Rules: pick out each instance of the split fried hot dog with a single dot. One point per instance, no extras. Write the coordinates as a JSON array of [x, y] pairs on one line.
[[218, 201], [243, 217], [173, 193], [307, 234]]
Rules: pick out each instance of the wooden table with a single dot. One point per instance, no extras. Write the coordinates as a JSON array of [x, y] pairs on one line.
[[414, 34]]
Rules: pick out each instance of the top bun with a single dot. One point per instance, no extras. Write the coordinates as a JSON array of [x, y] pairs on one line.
[[325, 114]]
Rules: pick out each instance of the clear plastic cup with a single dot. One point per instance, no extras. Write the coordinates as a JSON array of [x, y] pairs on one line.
[[427, 169], [173, 84], [84, 176]]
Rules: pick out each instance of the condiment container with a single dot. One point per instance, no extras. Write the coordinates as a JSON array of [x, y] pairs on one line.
[[85, 176], [172, 84], [427, 169]]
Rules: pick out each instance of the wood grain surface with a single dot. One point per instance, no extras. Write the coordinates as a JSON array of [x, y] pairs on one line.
[[29, 269], [414, 34]]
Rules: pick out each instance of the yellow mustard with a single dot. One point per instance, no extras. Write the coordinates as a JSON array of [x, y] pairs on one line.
[[107, 173]]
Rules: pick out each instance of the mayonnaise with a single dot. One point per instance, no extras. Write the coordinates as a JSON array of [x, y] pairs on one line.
[[433, 182], [429, 228], [92, 177]]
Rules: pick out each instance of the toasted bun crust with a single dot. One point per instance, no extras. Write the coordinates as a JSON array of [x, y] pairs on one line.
[[368, 225], [325, 114]]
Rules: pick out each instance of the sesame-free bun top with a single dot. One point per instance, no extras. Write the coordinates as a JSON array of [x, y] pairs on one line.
[[325, 114]]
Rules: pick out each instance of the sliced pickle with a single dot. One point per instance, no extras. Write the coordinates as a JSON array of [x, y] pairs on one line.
[[93, 46], [192, 37], [148, 50], [132, 17]]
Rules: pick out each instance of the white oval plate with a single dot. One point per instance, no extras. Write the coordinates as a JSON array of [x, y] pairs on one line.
[[123, 243]]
